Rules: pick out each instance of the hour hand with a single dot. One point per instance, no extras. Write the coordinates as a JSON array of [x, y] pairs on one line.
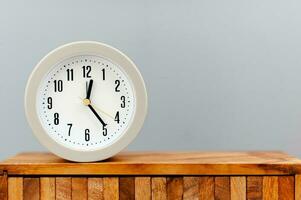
[[89, 89]]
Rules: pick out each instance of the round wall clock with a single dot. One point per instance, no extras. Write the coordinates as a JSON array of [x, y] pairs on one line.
[[85, 101]]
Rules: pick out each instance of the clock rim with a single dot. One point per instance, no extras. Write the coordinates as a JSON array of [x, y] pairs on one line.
[[87, 48]]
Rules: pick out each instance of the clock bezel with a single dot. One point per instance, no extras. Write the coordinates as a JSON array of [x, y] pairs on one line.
[[83, 48]]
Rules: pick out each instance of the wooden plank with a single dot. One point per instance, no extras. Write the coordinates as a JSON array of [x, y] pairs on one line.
[[254, 187], [270, 188], [206, 188], [238, 187], [126, 188], [143, 188], [222, 187], [63, 188], [31, 188], [47, 187], [298, 187], [191, 188], [150, 163], [79, 188], [175, 188], [111, 188], [286, 188], [3, 186], [15, 188], [95, 189], [159, 188]]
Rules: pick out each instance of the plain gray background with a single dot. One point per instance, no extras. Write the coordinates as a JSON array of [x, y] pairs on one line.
[[221, 75]]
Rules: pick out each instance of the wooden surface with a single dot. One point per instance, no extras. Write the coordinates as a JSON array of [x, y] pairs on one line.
[[254, 187], [3, 186], [63, 189], [31, 189], [238, 187], [154, 187], [15, 188], [298, 187], [47, 190], [156, 163], [159, 176]]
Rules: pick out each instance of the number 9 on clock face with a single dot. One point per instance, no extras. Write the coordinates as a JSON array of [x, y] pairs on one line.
[[85, 101]]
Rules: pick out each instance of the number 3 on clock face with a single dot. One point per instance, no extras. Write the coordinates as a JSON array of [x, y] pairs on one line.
[[85, 101]]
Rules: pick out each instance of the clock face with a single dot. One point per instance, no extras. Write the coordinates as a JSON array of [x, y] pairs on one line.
[[85, 102]]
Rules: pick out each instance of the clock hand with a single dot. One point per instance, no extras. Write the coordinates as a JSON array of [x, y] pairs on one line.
[[97, 116], [94, 106], [89, 89], [87, 102]]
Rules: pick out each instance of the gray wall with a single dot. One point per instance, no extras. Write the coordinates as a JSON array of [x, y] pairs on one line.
[[221, 75]]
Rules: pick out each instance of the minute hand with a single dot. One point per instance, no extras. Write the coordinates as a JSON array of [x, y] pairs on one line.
[[97, 116]]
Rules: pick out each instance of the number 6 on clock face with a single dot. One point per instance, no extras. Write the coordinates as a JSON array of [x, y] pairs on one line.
[[85, 101]]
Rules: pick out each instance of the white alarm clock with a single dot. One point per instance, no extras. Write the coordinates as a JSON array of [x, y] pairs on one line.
[[85, 101]]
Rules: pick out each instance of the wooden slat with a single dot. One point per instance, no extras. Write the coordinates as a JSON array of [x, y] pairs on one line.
[[191, 188], [254, 187], [151, 163], [95, 189], [143, 188], [126, 188], [63, 188], [298, 187], [159, 188], [175, 188], [270, 188], [15, 188], [222, 188], [79, 188], [31, 188], [111, 188], [3, 186], [286, 188], [206, 188], [238, 187], [47, 185]]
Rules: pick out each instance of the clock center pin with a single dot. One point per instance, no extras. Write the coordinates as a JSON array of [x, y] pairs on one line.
[[86, 102]]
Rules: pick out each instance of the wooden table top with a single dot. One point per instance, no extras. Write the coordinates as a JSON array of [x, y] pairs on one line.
[[158, 163]]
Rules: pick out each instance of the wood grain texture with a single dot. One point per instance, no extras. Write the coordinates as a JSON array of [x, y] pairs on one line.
[[206, 186], [174, 188], [111, 188], [254, 187], [238, 187], [143, 188], [3, 186], [95, 189], [79, 188], [222, 188], [158, 163], [127, 188], [286, 188], [15, 188], [159, 188], [191, 188], [298, 187], [31, 188], [270, 188], [63, 188], [47, 188]]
